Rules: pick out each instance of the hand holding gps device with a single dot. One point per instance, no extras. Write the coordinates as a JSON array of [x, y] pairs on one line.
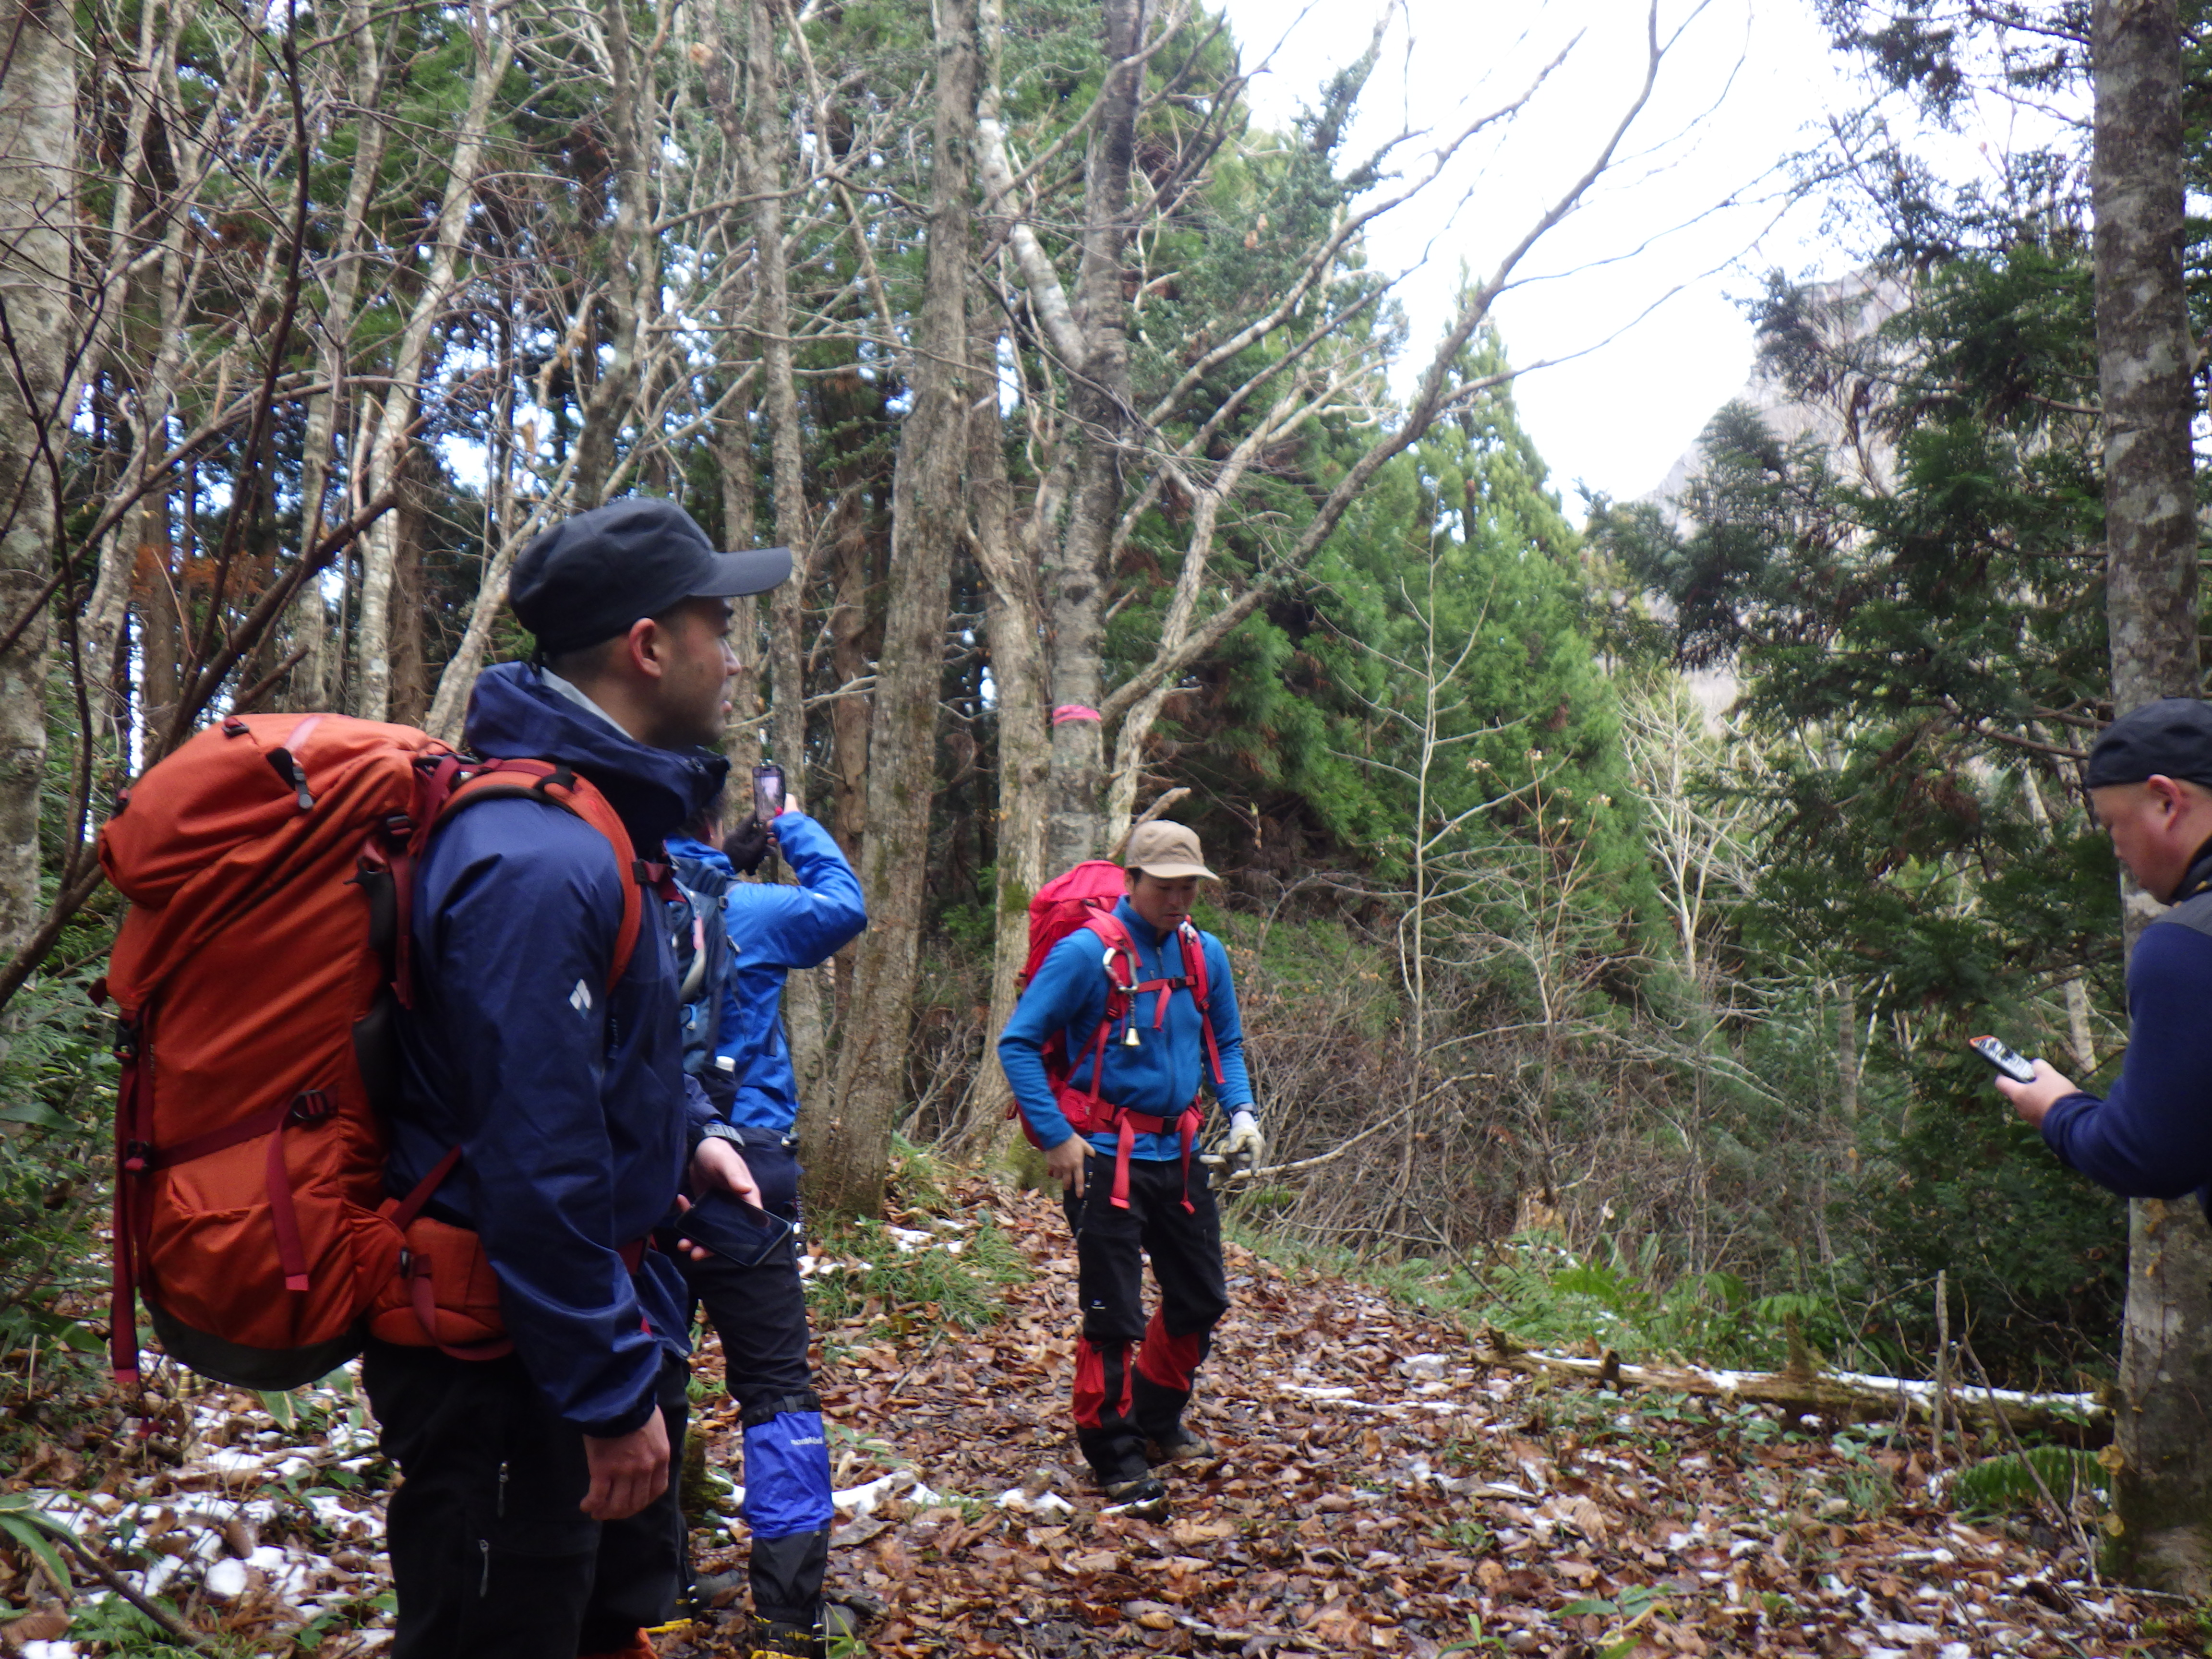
[[2018, 1068]]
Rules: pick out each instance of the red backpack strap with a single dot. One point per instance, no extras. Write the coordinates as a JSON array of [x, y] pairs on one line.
[[455, 783], [1192, 945]]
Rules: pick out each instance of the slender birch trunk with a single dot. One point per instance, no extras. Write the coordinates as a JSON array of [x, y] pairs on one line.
[[2162, 1494], [394, 433], [314, 681], [928, 519], [37, 137]]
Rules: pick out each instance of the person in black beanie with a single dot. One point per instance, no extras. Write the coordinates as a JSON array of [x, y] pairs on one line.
[[2150, 778]]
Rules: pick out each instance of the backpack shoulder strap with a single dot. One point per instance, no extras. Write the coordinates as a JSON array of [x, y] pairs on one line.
[[464, 783], [1191, 944], [1107, 928]]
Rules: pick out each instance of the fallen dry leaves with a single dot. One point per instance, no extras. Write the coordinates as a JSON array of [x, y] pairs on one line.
[[1380, 1490]]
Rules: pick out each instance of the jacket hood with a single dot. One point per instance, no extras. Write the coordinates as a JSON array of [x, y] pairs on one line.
[[705, 870], [514, 714]]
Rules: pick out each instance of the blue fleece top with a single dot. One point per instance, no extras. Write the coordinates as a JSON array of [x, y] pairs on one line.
[[774, 928], [2152, 1136], [1161, 1076], [569, 1105]]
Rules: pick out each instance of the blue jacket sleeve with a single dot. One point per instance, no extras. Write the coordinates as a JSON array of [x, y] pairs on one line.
[[800, 927], [1233, 1093], [523, 938], [1068, 993], [2152, 1136]]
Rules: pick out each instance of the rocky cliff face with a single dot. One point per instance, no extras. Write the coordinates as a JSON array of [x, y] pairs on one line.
[[1842, 321], [1843, 317]]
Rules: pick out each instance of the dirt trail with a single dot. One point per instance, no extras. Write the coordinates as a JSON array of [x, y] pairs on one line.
[[1380, 1490]]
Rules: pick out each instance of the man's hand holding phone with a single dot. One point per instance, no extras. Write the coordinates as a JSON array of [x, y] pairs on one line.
[[2032, 1096]]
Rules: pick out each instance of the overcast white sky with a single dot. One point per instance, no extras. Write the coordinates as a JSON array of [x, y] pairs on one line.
[[1747, 83]]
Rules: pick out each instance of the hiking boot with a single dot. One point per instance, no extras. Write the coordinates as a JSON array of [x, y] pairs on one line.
[[1143, 1496], [768, 1639], [1183, 1449]]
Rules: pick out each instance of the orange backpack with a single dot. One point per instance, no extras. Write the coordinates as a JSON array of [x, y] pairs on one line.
[[257, 981]]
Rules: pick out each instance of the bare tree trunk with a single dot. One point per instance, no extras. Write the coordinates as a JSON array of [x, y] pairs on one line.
[[38, 137], [755, 137], [421, 479], [845, 545], [394, 432], [1847, 1056], [927, 517], [1077, 586], [1015, 620], [2162, 1494]]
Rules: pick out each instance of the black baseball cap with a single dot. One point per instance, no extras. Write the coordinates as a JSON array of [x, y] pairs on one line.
[[2171, 737], [588, 577]]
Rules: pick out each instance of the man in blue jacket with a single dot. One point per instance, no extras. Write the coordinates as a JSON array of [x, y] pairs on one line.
[[1154, 1059], [538, 1517], [759, 1306], [2150, 778]]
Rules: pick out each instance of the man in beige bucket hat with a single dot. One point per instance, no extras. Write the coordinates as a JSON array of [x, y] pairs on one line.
[[1107, 1052]]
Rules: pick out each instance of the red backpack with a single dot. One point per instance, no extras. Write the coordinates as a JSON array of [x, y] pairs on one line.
[[1084, 899], [257, 981]]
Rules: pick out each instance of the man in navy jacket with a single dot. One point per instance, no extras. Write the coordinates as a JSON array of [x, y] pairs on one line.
[[759, 1307], [1155, 1060], [2150, 780], [538, 1517]]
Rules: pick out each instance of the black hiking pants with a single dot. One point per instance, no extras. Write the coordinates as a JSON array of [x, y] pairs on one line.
[[491, 1556], [759, 1310], [1133, 1377]]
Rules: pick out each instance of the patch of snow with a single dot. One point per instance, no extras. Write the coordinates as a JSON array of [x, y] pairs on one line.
[[864, 1499]]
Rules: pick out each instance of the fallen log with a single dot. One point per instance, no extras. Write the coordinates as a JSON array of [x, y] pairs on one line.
[[1836, 1393]]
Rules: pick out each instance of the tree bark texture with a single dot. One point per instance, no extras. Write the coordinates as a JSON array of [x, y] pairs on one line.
[[1014, 620], [928, 515], [387, 459], [1099, 402], [2163, 1491], [37, 131], [755, 134]]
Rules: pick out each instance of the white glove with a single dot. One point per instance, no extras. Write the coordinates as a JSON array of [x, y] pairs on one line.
[[1245, 1139]]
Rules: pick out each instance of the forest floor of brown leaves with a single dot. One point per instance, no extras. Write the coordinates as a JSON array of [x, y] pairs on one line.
[[1378, 1490]]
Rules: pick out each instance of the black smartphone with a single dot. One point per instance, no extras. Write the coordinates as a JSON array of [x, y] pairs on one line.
[[733, 1230], [768, 791], [2019, 1069]]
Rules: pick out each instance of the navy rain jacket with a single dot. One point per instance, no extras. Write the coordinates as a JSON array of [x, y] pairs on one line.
[[2152, 1136], [570, 1106], [773, 929], [1161, 1076]]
